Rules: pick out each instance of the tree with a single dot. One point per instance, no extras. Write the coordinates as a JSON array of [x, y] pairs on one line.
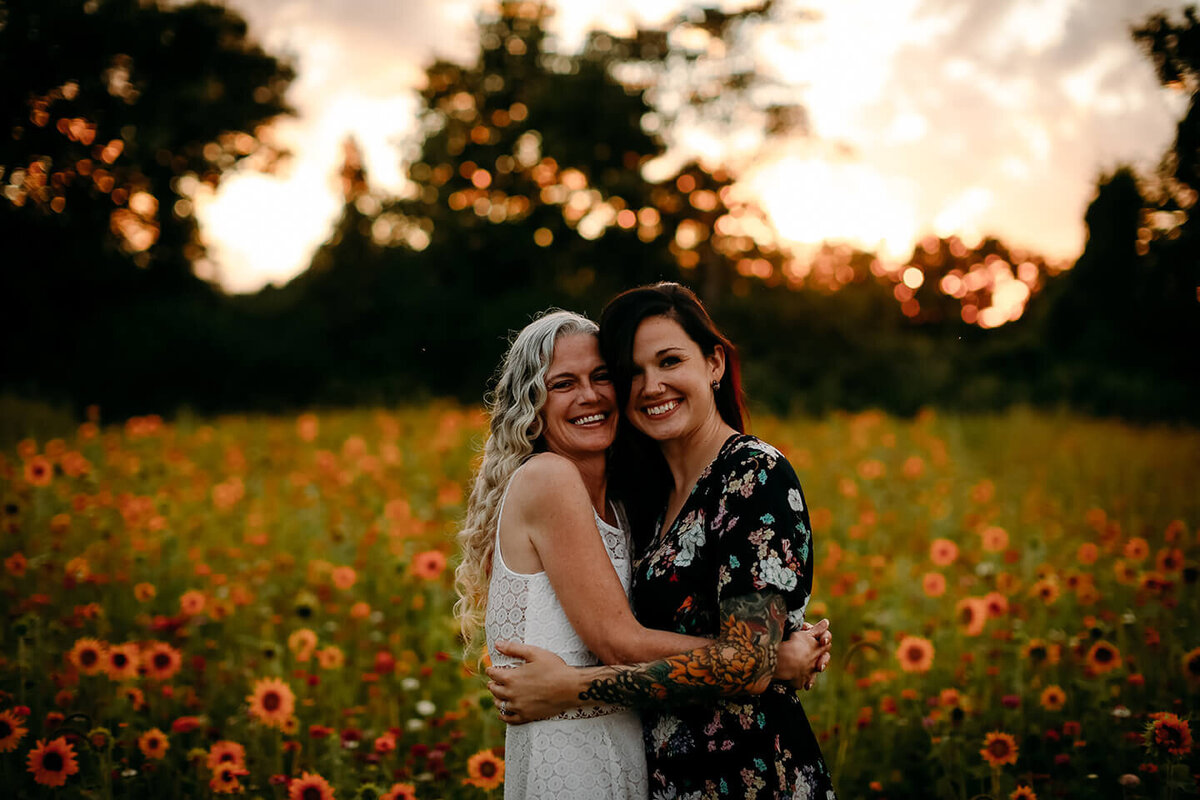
[[113, 112]]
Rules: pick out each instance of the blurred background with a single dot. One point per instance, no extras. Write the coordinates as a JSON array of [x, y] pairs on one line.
[[275, 205]]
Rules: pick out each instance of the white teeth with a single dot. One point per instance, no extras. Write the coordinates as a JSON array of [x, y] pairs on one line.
[[670, 405], [586, 420]]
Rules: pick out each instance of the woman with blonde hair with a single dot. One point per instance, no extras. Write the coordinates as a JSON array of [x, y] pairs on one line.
[[546, 561]]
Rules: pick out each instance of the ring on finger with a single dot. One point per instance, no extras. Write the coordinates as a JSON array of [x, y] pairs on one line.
[[503, 708]]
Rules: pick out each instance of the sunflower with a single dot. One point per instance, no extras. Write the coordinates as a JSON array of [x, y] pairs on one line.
[[161, 661], [1191, 665], [121, 662], [39, 471], [88, 655], [135, 697], [943, 552], [225, 779], [429, 564], [401, 791], [1103, 657], [144, 592], [272, 701], [1045, 590], [1087, 554], [310, 786], [1169, 560], [1023, 793], [1171, 733], [934, 584], [1041, 653], [915, 654], [153, 744], [225, 753], [999, 749], [52, 763], [1053, 698], [486, 771], [11, 730]]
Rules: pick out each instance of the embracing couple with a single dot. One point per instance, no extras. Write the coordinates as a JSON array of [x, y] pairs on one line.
[[640, 566]]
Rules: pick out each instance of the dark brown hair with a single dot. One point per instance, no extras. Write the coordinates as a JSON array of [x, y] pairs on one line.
[[638, 473]]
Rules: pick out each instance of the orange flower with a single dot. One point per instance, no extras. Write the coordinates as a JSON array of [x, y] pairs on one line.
[[1191, 665], [1137, 548], [226, 754], [272, 701], [191, 602], [225, 779], [135, 697], [52, 763], [486, 771], [1039, 652], [1172, 734], [1088, 553], [385, 743], [972, 615], [915, 654], [144, 592], [1045, 590], [360, 610], [307, 427], [1053, 698], [996, 604], [121, 662], [943, 552], [16, 565], [302, 643], [401, 791], [153, 744], [1169, 560], [429, 564], [1023, 793], [999, 749], [331, 657], [11, 730], [39, 471], [343, 577], [1103, 657], [934, 584], [161, 661], [994, 539], [88, 655], [310, 786]]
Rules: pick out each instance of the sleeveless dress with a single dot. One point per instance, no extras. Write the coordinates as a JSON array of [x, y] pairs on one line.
[[582, 754]]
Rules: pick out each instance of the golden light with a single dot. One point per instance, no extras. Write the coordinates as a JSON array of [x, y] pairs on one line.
[[913, 278], [626, 218], [543, 237]]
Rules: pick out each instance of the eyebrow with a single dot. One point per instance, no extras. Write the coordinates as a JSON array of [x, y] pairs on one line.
[[667, 350]]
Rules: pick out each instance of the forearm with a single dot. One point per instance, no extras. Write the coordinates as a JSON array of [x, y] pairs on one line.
[[649, 644], [741, 660]]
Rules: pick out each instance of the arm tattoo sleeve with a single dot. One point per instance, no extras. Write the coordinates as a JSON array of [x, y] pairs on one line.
[[741, 659]]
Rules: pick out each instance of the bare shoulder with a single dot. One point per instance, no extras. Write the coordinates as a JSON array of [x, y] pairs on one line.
[[546, 477]]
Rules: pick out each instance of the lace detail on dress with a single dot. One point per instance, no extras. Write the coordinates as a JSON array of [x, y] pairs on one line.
[[584, 753]]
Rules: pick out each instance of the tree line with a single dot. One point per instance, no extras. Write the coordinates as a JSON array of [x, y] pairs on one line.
[[527, 191]]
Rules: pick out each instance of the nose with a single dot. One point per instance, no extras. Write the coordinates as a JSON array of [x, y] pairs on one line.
[[587, 390], [651, 384]]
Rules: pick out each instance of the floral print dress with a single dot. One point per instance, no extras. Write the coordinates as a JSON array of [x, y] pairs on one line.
[[744, 529]]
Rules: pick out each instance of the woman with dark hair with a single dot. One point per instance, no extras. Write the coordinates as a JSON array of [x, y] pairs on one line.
[[728, 554]]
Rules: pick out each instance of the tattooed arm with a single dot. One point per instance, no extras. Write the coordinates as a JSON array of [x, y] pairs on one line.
[[740, 660]]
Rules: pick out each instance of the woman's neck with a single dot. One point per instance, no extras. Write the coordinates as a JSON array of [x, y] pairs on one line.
[[690, 455]]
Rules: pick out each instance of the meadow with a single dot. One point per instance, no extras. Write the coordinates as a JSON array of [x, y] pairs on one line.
[[262, 605]]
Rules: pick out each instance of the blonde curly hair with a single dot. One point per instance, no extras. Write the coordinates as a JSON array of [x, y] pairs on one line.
[[515, 433]]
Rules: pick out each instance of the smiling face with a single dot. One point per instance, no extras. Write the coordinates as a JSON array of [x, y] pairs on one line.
[[671, 393], [580, 415]]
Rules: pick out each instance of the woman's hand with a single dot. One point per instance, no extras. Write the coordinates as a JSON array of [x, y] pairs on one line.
[[538, 689], [804, 655]]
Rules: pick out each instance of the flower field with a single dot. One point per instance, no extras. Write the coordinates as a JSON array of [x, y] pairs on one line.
[[262, 605]]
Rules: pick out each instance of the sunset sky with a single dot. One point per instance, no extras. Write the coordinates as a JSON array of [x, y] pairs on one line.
[[928, 116]]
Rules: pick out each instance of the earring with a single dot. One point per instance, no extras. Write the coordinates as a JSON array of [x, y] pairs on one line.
[[715, 385]]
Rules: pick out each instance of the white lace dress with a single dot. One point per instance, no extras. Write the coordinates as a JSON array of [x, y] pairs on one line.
[[593, 752]]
